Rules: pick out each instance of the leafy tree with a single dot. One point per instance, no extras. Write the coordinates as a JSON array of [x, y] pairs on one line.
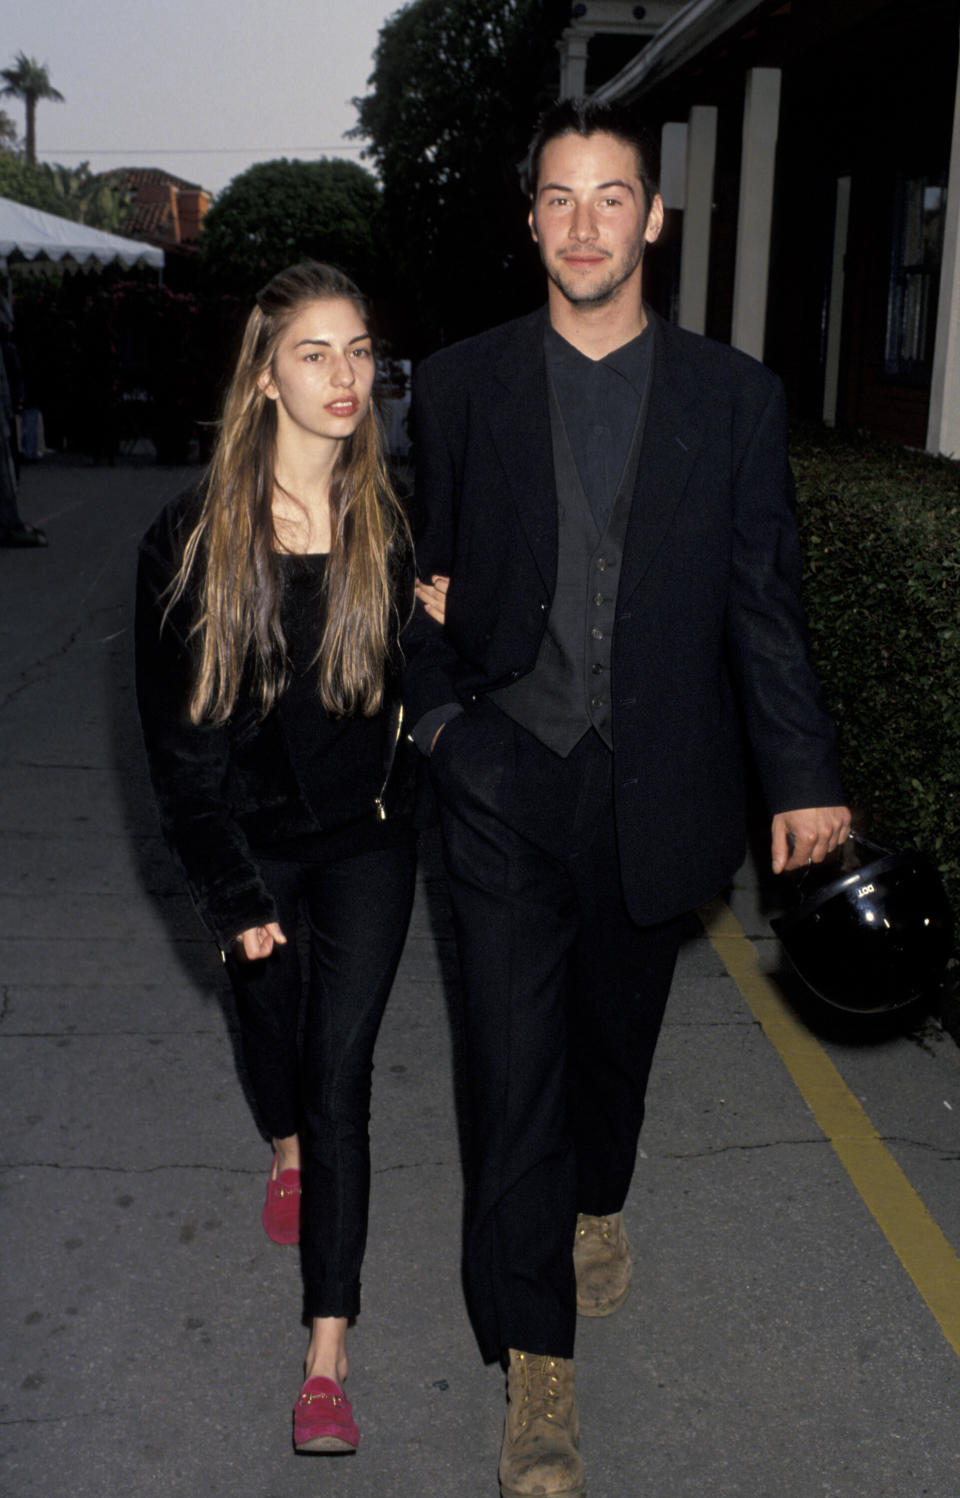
[[101, 200], [279, 212], [29, 80], [28, 184], [114, 356], [8, 132], [456, 91]]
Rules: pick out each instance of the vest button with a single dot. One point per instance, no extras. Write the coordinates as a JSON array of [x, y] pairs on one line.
[[597, 633], [596, 702], [597, 669], [601, 564], [598, 599]]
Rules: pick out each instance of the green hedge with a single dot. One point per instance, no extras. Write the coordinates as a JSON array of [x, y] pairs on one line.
[[880, 527]]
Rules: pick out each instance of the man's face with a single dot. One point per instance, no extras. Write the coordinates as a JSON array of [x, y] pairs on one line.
[[590, 218]]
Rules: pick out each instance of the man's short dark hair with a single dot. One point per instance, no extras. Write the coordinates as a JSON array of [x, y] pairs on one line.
[[592, 117]]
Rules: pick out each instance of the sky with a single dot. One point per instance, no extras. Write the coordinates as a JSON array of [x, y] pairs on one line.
[[201, 88]]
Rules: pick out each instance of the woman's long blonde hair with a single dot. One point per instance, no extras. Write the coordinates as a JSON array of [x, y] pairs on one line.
[[230, 555]]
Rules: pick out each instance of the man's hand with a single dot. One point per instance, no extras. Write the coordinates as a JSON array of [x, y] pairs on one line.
[[258, 942], [433, 596], [807, 836]]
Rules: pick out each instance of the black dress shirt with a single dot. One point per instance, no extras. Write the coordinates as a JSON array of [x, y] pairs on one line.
[[599, 399]]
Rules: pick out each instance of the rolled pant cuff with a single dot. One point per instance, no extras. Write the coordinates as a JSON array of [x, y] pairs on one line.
[[332, 1302]]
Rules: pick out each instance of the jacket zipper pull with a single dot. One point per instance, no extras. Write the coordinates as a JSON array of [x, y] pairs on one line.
[[378, 800]]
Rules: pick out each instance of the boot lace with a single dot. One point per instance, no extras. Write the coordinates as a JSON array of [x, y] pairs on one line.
[[597, 1227], [540, 1389]]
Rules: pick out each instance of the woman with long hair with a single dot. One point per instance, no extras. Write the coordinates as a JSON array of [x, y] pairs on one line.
[[269, 604]]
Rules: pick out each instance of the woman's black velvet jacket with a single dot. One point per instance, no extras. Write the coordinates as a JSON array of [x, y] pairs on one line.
[[223, 792]]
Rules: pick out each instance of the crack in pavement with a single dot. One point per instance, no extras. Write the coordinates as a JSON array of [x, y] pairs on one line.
[[129, 1170], [29, 674], [59, 1419], [212, 1032], [385, 1170], [775, 1144]]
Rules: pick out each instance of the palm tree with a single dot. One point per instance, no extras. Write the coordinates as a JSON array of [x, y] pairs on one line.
[[29, 80]]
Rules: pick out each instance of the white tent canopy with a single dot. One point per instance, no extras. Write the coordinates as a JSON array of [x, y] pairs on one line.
[[34, 235]]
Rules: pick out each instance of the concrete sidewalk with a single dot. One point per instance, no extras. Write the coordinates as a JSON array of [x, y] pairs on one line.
[[773, 1346]]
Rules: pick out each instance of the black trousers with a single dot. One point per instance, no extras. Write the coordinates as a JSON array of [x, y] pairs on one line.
[[563, 997], [311, 1074]]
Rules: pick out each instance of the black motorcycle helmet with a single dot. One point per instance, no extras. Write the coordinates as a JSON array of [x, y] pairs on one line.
[[871, 930]]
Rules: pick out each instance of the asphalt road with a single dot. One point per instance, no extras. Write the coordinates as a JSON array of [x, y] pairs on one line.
[[792, 1332]]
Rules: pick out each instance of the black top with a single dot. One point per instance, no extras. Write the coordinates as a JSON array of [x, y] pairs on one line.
[[599, 399], [340, 763], [294, 784]]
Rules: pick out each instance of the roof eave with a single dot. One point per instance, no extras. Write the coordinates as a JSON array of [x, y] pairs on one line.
[[693, 28]]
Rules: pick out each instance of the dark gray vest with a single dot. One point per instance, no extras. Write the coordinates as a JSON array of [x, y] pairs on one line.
[[568, 690]]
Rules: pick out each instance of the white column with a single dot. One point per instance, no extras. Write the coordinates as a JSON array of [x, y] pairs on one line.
[[943, 427], [573, 63], [697, 217], [831, 378], [673, 164], [761, 113]]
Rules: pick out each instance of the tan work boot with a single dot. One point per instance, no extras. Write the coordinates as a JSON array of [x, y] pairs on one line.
[[539, 1456], [601, 1258]]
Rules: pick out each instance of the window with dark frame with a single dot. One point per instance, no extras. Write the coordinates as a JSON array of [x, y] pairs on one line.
[[914, 274]]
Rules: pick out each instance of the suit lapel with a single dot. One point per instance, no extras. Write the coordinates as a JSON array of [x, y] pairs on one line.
[[671, 440], [518, 413], [519, 422]]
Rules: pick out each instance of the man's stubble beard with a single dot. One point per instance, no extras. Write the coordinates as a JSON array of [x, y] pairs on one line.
[[598, 295]]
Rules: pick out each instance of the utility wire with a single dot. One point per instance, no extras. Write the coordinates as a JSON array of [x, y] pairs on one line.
[[192, 150]]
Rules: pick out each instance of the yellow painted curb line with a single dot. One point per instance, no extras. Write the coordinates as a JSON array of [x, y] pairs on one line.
[[913, 1234]]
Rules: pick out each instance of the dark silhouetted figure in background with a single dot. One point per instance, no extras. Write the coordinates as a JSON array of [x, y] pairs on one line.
[[13, 530]]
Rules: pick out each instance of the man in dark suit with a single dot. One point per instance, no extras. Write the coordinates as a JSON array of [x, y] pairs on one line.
[[612, 501]]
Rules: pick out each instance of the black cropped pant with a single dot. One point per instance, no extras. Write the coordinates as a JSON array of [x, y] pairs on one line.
[[563, 1001], [310, 1072]]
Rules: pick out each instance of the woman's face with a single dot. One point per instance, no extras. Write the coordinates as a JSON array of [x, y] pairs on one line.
[[322, 372]]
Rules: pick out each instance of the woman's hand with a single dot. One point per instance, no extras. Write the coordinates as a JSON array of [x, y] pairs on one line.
[[433, 596], [258, 942]]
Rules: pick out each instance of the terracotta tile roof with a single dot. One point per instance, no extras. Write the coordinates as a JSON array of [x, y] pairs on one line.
[[156, 212], [150, 220], [154, 176]]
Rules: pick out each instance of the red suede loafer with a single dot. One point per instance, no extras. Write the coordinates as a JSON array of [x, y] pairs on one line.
[[323, 1419], [281, 1210]]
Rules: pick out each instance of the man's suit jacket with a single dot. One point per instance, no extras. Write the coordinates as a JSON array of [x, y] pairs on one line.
[[709, 639]]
